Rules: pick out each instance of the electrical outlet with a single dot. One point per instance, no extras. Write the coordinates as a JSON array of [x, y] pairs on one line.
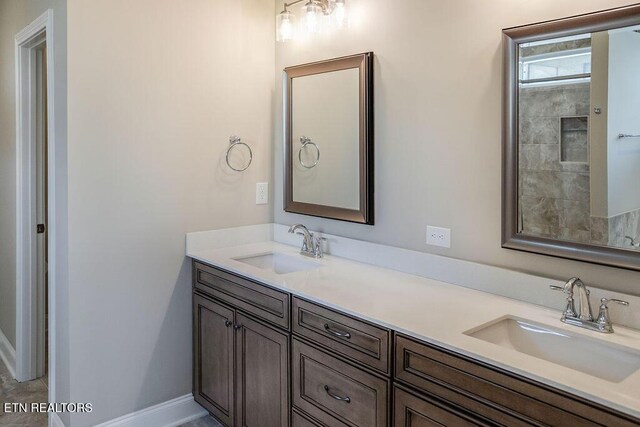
[[262, 193], [438, 236]]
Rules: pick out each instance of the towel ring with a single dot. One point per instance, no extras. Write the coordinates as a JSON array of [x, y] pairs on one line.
[[306, 141], [234, 141]]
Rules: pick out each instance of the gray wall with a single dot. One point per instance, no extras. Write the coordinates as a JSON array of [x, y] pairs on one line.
[[14, 16], [156, 87], [438, 125]]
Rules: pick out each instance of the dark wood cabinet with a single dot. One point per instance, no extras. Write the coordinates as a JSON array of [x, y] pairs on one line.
[[335, 392], [262, 376], [348, 336], [493, 394], [300, 420], [213, 362], [339, 370], [241, 366], [254, 298], [414, 410]]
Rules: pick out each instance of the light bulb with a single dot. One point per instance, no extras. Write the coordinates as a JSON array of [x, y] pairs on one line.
[[285, 27], [312, 17], [340, 13]]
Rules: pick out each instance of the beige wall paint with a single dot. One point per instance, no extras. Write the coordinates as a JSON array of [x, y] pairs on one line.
[[14, 16], [438, 125], [156, 87]]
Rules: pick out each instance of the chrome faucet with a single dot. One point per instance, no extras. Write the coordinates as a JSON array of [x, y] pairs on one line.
[[311, 246], [632, 241], [584, 316]]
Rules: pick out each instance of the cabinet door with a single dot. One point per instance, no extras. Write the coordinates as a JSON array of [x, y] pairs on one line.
[[213, 358], [262, 360]]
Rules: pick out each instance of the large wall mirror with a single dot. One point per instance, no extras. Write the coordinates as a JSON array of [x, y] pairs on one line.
[[571, 135], [329, 139]]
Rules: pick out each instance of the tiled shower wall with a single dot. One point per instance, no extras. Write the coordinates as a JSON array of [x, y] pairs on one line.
[[622, 231], [554, 195]]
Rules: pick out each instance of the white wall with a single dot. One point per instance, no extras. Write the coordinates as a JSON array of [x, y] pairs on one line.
[[438, 125], [156, 87], [14, 16], [624, 117]]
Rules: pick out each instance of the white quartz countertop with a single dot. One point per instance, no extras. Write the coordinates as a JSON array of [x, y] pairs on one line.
[[435, 312]]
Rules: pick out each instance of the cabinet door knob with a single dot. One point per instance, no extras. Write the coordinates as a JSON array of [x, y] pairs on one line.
[[236, 327], [228, 323]]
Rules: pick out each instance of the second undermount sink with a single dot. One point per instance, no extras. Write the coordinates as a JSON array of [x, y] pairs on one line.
[[278, 262], [591, 356]]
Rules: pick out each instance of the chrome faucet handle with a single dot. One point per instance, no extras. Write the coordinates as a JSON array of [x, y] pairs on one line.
[[603, 320], [570, 309], [317, 249], [305, 240], [605, 301]]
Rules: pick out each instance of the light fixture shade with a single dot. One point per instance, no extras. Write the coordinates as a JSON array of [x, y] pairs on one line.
[[312, 17], [340, 13], [285, 26]]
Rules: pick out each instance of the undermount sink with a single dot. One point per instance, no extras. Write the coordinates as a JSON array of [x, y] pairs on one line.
[[591, 356], [278, 262]]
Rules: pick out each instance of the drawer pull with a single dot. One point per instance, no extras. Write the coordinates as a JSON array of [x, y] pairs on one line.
[[340, 334], [335, 396]]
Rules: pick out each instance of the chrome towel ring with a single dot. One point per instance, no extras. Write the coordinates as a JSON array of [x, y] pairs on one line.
[[235, 141], [305, 142]]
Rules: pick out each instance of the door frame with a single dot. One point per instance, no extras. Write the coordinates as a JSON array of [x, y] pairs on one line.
[[27, 41]]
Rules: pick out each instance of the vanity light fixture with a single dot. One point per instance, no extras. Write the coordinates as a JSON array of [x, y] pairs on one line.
[[317, 15], [285, 25]]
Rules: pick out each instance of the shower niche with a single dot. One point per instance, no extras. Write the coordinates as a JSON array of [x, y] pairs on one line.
[[574, 139]]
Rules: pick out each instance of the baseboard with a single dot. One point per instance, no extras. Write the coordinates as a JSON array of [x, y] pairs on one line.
[[55, 421], [7, 354], [167, 414]]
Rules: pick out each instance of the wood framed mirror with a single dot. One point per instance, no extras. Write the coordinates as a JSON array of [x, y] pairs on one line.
[[328, 109], [571, 138]]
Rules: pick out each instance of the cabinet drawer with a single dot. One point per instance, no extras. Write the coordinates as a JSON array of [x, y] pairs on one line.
[[259, 300], [412, 410], [335, 392], [299, 420], [343, 334], [500, 393]]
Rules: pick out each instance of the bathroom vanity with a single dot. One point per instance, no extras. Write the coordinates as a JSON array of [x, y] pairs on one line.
[[280, 339]]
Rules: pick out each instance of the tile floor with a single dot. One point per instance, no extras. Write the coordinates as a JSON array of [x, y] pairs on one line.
[[15, 392]]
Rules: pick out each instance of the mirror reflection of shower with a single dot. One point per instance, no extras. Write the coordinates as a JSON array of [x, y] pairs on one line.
[[579, 138]]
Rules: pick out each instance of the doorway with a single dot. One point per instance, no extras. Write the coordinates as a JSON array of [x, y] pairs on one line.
[[35, 215], [41, 169]]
